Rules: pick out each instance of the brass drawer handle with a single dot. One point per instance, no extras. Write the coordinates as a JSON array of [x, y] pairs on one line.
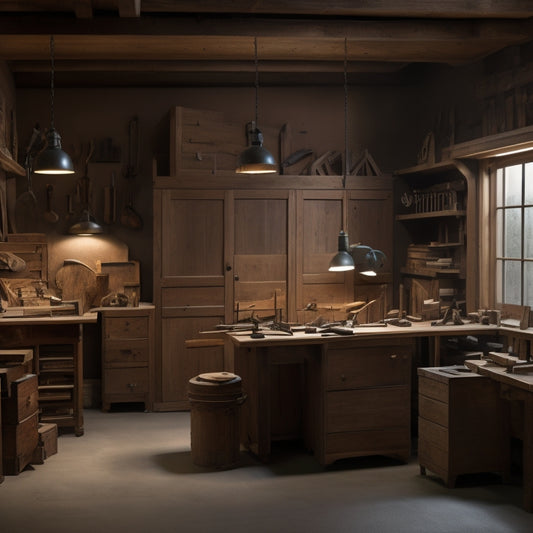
[[393, 356]]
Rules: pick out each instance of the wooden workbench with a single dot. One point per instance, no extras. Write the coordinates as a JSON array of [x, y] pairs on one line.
[[57, 344], [516, 387], [319, 377]]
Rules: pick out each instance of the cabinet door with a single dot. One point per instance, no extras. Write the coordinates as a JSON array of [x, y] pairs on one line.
[[370, 222], [321, 216], [263, 268], [190, 253]]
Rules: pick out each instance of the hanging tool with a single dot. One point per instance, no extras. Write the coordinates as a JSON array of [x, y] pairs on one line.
[[50, 215], [110, 202], [129, 216]]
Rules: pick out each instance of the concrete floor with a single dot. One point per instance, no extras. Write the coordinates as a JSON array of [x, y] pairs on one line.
[[132, 472]]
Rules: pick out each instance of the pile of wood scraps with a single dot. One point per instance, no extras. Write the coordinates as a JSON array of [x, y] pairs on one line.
[[511, 363]]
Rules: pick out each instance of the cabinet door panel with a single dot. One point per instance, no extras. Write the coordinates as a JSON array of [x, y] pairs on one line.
[[180, 363], [260, 263], [192, 235]]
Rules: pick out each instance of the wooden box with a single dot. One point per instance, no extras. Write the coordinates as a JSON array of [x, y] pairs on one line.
[[47, 443]]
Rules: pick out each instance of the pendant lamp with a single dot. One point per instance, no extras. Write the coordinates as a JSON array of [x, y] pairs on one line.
[[53, 160], [351, 256], [256, 159], [86, 225]]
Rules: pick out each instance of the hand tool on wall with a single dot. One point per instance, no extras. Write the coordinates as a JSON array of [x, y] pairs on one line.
[[129, 216], [50, 215], [110, 202]]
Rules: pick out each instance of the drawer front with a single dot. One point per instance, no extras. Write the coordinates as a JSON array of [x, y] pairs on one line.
[[125, 327], [434, 389], [126, 381], [19, 440], [368, 367], [433, 457], [131, 351], [374, 442], [24, 400], [433, 410], [433, 434], [367, 409]]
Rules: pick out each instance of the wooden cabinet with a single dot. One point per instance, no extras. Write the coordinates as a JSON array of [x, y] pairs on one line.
[[438, 219], [127, 355], [460, 424], [365, 406], [224, 242]]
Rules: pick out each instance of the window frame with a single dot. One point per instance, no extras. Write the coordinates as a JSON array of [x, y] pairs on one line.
[[496, 275]]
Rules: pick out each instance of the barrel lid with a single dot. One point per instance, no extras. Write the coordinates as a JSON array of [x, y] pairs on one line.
[[217, 377]]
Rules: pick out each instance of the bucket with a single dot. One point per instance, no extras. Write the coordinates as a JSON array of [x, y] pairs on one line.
[[215, 400]]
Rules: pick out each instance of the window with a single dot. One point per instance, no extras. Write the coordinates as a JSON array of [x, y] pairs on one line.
[[514, 233]]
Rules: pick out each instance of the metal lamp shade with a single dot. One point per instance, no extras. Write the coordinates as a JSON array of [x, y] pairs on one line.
[[343, 260], [367, 260], [256, 160], [86, 226], [53, 160]]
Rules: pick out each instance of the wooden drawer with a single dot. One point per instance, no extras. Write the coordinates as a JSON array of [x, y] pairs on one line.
[[367, 409], [368, 367], [432, 388], [24, 400], [133, 381], [126, 327], [19, 441], [373, 442], [433, 434], [433, 410], [131, 351]]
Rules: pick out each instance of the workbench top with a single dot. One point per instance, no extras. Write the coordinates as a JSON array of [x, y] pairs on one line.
[[417, 329]]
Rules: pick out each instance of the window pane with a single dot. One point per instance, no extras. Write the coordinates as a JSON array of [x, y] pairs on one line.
[[528, 183], [499, 187], [528, 232], [512, 282], [528, 284], [513, 233], [513, 185]]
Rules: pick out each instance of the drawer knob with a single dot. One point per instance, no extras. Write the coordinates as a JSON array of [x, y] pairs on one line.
[[28, 400], [132, 385], [393, 356], [343, 377]]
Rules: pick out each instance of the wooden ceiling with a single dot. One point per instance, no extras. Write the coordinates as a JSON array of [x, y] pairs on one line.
[[211, 42]]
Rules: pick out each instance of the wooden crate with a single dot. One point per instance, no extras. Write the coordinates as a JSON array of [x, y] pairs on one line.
[[46, 445]]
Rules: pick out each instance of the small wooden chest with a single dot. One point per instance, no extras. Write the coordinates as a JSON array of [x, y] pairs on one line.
[[47, 443]]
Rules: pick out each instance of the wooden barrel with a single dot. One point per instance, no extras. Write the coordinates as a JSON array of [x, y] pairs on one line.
[[215, 400]]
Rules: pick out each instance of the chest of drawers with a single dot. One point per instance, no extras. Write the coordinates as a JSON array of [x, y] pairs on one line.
[[366, 400], [460, 424], [127, 356]]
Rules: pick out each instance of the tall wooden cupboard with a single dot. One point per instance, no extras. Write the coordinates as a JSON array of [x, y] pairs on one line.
[[224, 241]]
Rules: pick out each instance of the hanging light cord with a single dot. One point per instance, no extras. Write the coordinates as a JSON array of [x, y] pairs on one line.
[[256, 82], [52, 82], [346, 169]]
